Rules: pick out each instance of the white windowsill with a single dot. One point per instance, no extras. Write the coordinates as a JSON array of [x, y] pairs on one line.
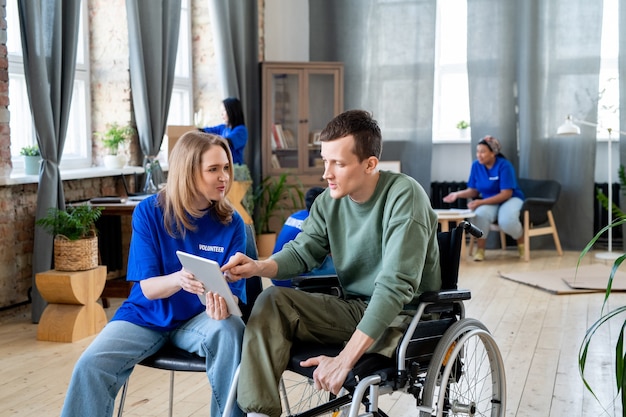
[[73, 174]]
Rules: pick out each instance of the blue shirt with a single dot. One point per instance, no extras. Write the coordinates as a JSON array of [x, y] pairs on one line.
[[153, 253], [237, 138], [490, 182], [291, 228]]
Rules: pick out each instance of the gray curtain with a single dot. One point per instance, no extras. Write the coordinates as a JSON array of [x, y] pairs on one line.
[[388, 51], [527, 70], [49, 30], [153, 28], [491, 73], [236, 38], [530, 63]]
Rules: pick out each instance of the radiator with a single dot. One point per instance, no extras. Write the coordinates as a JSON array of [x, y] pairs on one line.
[[601, 216], [438, 190]]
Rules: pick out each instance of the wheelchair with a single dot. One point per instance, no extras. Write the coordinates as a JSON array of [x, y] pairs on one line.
[[450, 364]]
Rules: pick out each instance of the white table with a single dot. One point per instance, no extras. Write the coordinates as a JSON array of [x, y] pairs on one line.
[[445, 216]]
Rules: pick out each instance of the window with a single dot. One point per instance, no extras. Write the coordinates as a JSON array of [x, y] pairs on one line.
[[182, 93], [451, 101], [77, 150]]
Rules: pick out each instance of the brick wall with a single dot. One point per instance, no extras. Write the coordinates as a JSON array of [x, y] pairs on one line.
[[110, 95]]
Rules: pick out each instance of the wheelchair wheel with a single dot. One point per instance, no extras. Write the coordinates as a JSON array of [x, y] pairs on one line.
[[299, 396], [466, 374]]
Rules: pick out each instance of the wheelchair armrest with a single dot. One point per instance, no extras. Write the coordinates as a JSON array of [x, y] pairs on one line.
[[445, 296], [326, 284]]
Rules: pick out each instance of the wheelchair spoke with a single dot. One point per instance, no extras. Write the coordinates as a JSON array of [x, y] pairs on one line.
[[467, 378]]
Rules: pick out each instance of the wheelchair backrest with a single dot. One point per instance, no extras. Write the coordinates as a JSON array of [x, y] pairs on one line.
[[450, 257]]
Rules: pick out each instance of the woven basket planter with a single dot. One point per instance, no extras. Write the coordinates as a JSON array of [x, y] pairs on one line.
[[75, 255]]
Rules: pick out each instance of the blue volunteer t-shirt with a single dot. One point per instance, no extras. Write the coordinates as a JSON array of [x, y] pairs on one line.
[[291, 228], [153, 253], [490, 182]]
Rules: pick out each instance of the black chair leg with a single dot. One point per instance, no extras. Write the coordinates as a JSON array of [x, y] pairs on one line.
[[120, 411]]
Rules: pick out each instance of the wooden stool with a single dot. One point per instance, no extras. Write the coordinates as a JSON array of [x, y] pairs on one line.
[[72, 313]]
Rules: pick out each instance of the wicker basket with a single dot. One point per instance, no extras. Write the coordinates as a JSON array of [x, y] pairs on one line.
[[75, 255]]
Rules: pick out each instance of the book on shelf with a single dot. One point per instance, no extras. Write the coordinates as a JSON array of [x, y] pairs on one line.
[[275, 162], [279, 137], [290, 140]]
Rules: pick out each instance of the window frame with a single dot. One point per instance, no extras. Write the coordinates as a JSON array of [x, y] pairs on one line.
[[80, 143], [444, 128]]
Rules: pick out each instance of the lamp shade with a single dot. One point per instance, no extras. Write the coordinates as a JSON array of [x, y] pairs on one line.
[[568, 128]]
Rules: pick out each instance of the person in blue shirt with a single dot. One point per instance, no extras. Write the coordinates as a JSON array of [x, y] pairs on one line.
[[191, 214], [291, 228], [233, 129], [493, 179]]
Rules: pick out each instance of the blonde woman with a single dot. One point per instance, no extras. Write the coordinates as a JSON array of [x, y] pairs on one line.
[[190, 214]]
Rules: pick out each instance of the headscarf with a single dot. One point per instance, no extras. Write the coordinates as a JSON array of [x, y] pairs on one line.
[[492, 143]]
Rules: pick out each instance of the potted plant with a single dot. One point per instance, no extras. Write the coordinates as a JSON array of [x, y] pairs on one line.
[[607, 315], [274, 197], [75, 239], [112, 139], [32, 158], [463, 126]]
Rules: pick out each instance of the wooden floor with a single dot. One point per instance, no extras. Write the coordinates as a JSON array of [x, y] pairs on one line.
[[538, 334]]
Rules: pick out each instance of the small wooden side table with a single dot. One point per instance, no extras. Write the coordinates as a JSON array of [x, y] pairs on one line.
[[72, 312], [444, 217]]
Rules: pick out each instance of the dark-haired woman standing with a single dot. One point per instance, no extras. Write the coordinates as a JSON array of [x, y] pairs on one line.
[[233, 129]]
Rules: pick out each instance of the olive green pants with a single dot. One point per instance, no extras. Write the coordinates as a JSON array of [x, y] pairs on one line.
[[281, 315]]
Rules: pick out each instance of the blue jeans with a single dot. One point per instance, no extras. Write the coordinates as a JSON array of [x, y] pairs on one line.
[[105, 365], [506, 214]]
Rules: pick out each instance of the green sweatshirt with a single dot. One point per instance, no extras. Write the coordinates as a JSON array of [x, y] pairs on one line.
[[385, 250]]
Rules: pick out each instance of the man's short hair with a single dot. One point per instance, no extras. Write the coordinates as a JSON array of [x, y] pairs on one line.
[[363, 128]]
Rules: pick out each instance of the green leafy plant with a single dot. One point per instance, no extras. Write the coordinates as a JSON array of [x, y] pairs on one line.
[[76, 222], [606, 315], [115, 135], [462, 124], [271, 198], [30, 151]]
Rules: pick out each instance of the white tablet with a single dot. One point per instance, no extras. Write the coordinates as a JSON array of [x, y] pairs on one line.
[[208, 272]]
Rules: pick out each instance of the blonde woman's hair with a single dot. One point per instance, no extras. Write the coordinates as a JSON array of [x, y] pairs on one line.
[[181, 189]]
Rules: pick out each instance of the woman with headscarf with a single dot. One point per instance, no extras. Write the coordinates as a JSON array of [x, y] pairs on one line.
[[495, 194]]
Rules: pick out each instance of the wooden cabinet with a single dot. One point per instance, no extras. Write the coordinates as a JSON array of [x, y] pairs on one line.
[[298, 100]]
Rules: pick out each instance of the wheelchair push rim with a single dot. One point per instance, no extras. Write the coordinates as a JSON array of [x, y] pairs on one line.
[[466, 374]]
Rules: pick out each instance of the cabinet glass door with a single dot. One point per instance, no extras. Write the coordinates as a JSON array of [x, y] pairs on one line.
[[284, 115], [321, 109]]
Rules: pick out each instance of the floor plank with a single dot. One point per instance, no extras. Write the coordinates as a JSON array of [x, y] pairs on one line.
[[538, 333]]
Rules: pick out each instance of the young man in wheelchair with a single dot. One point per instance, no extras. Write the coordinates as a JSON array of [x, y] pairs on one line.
[[382, 233]]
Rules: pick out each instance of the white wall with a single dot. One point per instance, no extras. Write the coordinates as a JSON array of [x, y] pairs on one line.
[[287, 30], [461, 158]]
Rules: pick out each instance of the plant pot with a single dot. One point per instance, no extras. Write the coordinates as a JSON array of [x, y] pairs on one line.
[[114, 161], [265, 243], [75, 255], [31, 165]]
